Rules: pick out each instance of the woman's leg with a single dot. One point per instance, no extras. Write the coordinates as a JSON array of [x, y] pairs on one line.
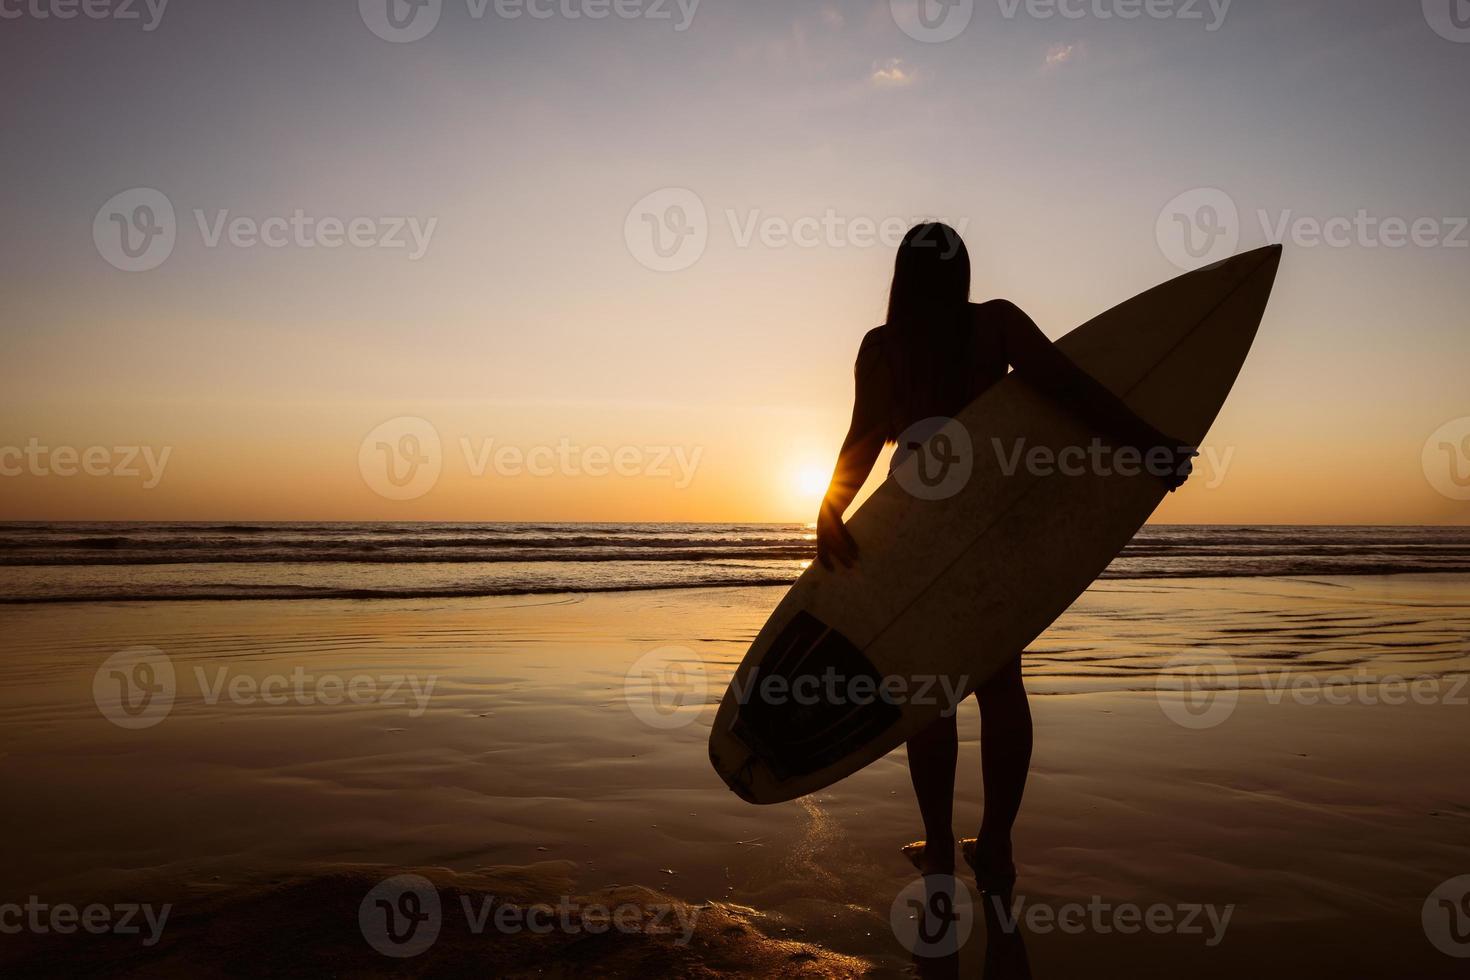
[[932, 757], [1005, 759]]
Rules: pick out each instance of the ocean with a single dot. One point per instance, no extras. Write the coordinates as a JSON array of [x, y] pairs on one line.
[[120, 562]]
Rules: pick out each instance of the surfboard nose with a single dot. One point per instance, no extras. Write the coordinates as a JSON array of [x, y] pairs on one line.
[[1268, 260]]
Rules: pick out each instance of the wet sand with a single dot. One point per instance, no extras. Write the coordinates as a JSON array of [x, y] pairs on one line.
[[534, 770]]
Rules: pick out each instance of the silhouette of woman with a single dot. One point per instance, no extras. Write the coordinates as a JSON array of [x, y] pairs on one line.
[[937, 353]]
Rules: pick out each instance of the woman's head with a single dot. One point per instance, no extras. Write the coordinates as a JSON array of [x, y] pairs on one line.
[[931, 277], [928, 335]]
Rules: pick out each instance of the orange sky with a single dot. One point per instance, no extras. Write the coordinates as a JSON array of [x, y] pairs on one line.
[[535, 317]]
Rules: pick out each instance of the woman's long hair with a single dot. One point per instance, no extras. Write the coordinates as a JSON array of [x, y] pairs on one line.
[[927, 337]]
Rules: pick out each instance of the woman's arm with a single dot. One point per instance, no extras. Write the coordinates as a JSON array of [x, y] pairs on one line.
[[865, 437], [1041, 364]]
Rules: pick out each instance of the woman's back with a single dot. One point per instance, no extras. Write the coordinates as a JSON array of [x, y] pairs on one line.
[[906, 375]]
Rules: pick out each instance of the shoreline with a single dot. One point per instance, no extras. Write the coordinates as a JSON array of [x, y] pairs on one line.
[[574, 594], [151, 562]]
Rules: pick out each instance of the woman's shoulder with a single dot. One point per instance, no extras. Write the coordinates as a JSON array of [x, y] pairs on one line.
[[870, 351], [870, 358], [996, 310], [999, 320]]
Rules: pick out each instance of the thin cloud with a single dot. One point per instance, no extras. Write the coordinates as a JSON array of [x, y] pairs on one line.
[[1060, 54], [892, 73]]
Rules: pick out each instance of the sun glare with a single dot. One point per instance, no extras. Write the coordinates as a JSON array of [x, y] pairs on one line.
[[811, 481]]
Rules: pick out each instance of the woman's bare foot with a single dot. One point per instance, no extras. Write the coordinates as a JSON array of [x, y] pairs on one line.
[[993, 864], [937, 860]]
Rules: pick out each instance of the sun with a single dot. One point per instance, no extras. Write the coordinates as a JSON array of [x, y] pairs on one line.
[[811, 481], [802, 483]]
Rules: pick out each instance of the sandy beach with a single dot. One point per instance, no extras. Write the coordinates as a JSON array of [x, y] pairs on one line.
[[1296, 803]]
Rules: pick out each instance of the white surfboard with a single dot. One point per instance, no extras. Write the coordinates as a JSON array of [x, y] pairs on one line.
[[954, 583]]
